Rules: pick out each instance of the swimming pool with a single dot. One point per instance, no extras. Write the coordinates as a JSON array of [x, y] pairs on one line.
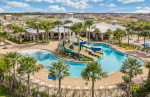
[[111, 62]]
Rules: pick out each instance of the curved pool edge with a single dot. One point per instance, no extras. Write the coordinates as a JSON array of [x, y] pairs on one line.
[[122, 52]]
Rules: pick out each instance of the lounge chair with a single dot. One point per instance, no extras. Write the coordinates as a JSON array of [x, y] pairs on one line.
[[62, 87], [77, 87], [69, 87], [42, 83], [110, 87], [101, 87], [86, 88], [51, 85]]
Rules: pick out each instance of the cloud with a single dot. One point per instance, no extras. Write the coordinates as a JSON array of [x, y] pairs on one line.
[[97, 0], [130, 1], [17, 4], [50, 1], [143, 10], [138, 7], [56, 8], [1, 10], [112, 5], [101, 4], [79, 4]]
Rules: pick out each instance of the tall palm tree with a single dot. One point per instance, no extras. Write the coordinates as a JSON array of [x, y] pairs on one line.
[[93, 72], [58, 23], [4, 35], [21, 30], [78, 27], [96, 31], [47, 26], [109, 32], [27, 66], [120, 33], [144, 34], [138, 29], [131, 68], [13, 58], [59, 70], [36, 26], [88, 25], [128, 33]]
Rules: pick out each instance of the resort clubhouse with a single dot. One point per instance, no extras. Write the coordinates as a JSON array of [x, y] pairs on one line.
[[74, 57]]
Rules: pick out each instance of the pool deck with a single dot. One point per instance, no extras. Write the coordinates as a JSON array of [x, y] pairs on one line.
[[42, 75]]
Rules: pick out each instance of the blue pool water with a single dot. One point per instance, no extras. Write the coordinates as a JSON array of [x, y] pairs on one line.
[[111, 62]]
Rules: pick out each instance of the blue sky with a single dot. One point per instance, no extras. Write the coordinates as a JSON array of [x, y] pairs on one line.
[[99, 6]]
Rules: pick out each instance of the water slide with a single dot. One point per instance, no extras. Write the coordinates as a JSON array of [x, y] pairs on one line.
[[90, 52]]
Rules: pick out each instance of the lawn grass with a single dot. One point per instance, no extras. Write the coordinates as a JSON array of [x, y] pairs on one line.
[[5, 93]]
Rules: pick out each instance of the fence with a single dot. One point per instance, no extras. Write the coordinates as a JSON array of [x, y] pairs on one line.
[[66, 92]]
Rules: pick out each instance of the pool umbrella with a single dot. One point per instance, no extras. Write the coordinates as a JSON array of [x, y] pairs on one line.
[[130, 39], [144, 45], [52, 78]]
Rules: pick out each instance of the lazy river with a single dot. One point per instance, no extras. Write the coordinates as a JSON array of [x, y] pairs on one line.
[[112, 61]]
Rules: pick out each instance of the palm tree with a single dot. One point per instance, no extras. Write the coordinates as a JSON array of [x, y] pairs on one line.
[[120, 33], [89, 24], [58, 24], [47, 26], [78, 27], [138, 29], [27, 66], [148, 66], [36, 26], [93, 72], [131, 68], [128, 33], [144, 34], [59, 70], [96, 31], [109, 32], [4, 67], [13, 58], [21, 30], [4, 35]]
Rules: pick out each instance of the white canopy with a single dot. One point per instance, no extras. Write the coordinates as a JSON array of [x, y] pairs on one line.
[[74, 20], [61, 30], [103, 27], [30, 30], [5, 24]]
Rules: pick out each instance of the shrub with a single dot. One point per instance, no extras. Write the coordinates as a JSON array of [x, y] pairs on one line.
[[63, 55], [86, 59], [138, 91], [24, 88], [44, 94]]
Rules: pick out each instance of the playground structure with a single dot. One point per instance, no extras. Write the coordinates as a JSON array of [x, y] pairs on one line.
[[92, 52]]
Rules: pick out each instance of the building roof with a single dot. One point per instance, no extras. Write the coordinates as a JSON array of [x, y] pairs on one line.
[[61, 30], [5, 24], [31, 30], [103, 27]]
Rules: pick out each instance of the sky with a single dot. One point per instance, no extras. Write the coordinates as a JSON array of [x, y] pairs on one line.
[[83, 6]]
